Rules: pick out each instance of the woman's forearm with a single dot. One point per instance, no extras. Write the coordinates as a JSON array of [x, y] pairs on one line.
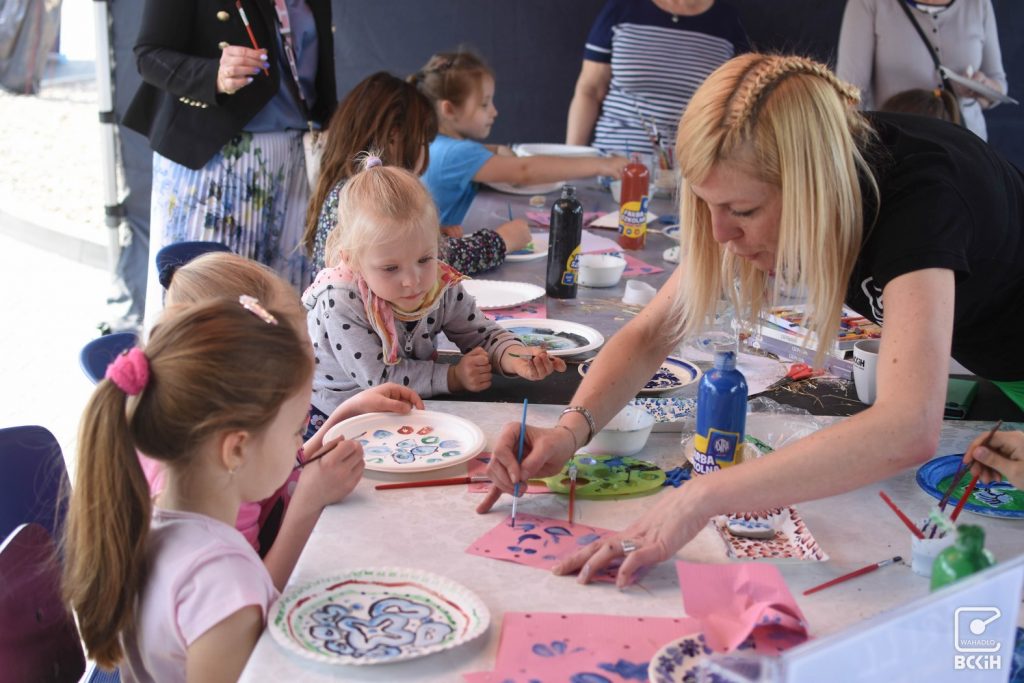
[[583, 111]]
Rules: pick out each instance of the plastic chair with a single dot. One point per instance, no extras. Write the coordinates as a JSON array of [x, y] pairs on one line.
[[38, 636], [101, 351], [173, 256], [32, 476]]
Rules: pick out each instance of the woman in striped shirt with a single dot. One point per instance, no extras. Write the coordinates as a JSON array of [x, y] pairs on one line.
[[642, 62]]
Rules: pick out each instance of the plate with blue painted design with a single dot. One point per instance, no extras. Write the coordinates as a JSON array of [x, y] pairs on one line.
[[537, 248], [674, 373], [377, 616], [682, 660], [998, 499], [420, 441], [557, 337]]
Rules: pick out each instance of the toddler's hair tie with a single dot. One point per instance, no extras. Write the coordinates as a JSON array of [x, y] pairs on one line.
[[253, 305], [373, 160], [937, 93], [130, 371]]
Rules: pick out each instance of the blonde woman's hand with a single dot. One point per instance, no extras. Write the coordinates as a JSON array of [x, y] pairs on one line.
[[545, 451], [515, 233], [332, 477], [1003, 458], [533, 363], [452, 231], [238, 66], [665, 528], [472, 373]]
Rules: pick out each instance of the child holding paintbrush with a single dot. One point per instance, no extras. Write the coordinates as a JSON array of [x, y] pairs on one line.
[[1002, 457]]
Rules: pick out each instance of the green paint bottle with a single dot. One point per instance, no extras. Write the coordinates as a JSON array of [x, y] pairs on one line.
[[966, 556]]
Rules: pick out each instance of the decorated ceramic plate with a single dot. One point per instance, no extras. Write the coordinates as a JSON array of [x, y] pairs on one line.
[[600, 476], [999, 499], [680, 661], [501, 294], [421, 441], [537, 248], [672, 232], [559, 337], [673, 374], [377, 616]]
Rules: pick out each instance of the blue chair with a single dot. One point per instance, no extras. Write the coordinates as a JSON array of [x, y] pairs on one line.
[[101, 351], [32, 480], [174, 256], [38, 637]]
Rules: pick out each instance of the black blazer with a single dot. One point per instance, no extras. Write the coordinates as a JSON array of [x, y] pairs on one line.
[[178, 54]]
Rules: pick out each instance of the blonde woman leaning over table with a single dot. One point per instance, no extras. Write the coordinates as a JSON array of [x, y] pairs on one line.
[[782, 174]]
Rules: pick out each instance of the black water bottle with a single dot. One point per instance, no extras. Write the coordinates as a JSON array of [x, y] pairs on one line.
[[564, 245]]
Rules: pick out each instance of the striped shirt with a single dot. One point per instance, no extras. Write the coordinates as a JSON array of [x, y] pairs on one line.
[[658, 60]]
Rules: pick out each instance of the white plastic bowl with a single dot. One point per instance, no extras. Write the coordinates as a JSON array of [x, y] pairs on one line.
[[601, 270], [625, 434]]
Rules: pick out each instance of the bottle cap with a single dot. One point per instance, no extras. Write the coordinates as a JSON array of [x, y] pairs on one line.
[[568, 191]]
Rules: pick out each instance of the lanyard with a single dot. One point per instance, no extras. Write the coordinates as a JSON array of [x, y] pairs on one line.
[[285, 28]]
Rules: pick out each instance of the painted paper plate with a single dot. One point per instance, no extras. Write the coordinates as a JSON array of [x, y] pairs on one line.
[[672, 232], [673, 374], [999, 499], [680, 661], [559, 337], [377, 616], [537, 248], [600, 476], [421, 441], [501, 294]]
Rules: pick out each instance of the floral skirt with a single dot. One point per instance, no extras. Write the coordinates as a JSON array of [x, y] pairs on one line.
[[251, 196]]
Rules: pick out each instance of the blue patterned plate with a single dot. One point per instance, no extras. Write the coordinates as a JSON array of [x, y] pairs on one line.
[[680, 661], [999, 499], [673, 374]]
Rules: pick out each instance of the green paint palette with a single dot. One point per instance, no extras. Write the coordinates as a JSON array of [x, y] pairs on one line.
[[603, 476]]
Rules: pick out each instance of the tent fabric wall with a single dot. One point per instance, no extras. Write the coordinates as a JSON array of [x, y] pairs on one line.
[[534, 47]]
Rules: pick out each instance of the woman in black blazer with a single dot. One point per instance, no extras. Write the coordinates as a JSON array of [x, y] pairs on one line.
[[225, 121]]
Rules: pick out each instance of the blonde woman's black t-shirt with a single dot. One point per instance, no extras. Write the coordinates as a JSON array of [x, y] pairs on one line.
[[947, 200]]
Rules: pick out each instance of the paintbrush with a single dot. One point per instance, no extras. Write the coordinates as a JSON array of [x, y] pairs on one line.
[[960, 471], [528, 356], [857, 572], [450, 481], [963, 499], [903, 518], [573, 471], [509, 204], [324, 450], [519, 460]]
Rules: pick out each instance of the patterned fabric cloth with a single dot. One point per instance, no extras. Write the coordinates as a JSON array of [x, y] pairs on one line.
[[251, 196], [472, 254]]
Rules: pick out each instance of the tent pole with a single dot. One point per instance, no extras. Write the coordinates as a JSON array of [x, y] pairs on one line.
[[112, 205]]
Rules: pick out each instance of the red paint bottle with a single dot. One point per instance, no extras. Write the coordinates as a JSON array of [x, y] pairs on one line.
[[633, 199]]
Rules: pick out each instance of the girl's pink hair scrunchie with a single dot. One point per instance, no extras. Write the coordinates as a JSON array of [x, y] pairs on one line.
[[130, 371], [373, 161]]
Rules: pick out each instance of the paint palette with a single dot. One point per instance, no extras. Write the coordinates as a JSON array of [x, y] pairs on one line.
[[682, 660], [999, 499], [674, 373], [558, 337], [601, 476], [377, 616], [421, 441]]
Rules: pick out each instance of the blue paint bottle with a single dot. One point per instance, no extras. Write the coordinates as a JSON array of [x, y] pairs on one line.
[[721, 414]]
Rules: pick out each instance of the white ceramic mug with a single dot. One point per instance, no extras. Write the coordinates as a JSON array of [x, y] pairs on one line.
[[865, 360]]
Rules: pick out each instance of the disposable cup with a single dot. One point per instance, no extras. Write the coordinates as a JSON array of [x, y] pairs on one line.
[[638, 293], [924, 551]]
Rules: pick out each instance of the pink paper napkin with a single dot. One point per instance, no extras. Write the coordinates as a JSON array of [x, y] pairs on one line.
[[734, 601], [538, 542], [634, 266], [544, 217], [477, 467], [532, 309]]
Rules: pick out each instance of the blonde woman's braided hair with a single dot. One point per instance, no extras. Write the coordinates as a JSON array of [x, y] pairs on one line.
[[787, 121]]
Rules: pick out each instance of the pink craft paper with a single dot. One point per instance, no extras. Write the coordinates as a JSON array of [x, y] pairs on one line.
[[528, 310], [733, 601], [562, 648], [538, 542], [477, 467], [543, 218], [634, 266]]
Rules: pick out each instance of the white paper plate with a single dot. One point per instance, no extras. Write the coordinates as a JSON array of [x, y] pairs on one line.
[[421, 441], [508, 188], [500, 293], [376, 616], [680, 659], [673, 374], [563, 338], [540, 249], [531, 149]]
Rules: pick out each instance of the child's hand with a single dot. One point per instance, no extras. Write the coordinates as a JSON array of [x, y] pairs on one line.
[[1002, 458], [452, 231], [515, 233], [384, 398], [473, 372], [612, 166], [332, 477], [530, 362], [504, 151]]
